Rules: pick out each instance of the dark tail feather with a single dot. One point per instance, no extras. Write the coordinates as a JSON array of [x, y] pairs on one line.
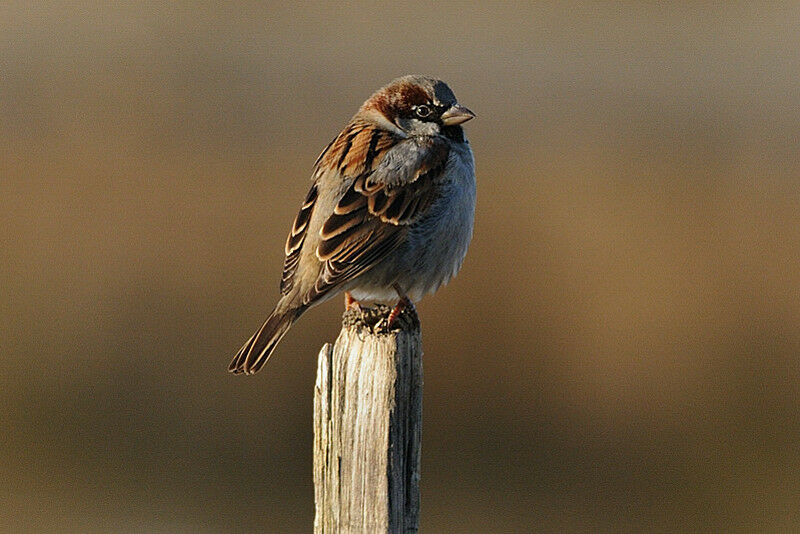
[[255, 353]]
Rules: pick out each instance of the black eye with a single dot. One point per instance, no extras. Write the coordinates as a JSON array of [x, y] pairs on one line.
[[423, 111]]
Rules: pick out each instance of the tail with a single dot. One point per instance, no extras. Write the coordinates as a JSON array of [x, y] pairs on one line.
[[255, 353]]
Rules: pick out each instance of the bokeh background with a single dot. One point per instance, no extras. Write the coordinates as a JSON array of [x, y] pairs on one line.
[[619, 353]]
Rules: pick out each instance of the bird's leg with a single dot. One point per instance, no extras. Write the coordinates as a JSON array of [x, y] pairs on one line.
[[402, 304], [350, 302]]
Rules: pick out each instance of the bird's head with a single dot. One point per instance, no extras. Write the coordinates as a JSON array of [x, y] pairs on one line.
[[417, 106]]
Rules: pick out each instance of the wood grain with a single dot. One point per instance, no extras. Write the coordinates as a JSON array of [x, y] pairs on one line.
[[367, 425]]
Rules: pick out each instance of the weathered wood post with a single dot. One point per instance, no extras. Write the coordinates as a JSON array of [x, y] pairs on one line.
[[367, 425]]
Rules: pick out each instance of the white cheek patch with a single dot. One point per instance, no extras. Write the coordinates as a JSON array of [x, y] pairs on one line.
[[418, 127], [425, 128]]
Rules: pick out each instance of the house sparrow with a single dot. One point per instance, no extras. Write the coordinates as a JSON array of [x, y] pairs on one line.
[[389, 214]]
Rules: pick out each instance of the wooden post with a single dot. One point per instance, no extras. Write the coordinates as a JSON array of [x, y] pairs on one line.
[[367, 425]]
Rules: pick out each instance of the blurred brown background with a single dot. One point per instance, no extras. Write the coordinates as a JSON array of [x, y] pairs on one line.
[[619, 353]]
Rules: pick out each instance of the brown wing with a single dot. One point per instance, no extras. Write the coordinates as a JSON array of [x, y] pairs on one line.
[[396, 181], [353, 150]]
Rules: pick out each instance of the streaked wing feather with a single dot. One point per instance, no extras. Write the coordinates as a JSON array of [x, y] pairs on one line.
[[295, 240], [357, 259]]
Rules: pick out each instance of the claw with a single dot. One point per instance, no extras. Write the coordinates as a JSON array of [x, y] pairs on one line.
[[350, 302], [402, 304]]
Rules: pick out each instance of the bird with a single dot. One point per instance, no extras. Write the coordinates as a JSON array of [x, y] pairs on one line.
[[389, 215]]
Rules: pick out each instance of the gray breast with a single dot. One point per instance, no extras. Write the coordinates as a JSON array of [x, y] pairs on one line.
[[438, 244]]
